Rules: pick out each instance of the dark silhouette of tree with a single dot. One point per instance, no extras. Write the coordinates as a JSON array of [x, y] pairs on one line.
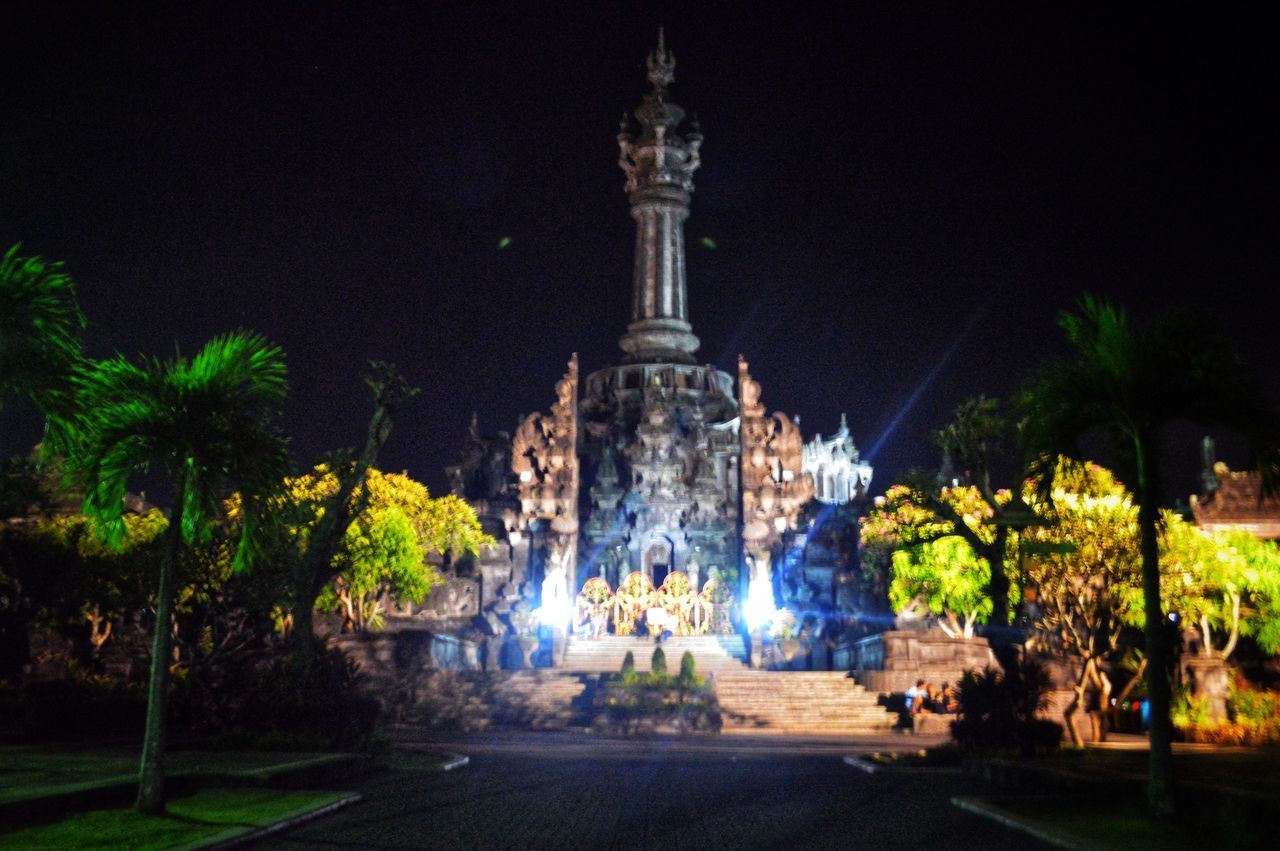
[[1125, 384], [316, 566]]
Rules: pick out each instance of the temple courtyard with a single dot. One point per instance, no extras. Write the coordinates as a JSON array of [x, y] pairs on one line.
[[556, 790]]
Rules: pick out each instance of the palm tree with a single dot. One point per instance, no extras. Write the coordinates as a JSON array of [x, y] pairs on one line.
[[1125, 384], [40, 326], [209, 422]]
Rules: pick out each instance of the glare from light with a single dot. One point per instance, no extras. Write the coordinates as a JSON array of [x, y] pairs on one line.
[[759, 608], [555, 613]]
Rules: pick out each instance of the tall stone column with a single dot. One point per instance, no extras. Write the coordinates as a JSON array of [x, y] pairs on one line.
[[659, 164]]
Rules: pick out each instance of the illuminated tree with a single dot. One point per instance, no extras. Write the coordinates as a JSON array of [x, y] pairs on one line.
[[1126, 383], [385, 545], [208, 421], [1223, 585], [949, 577], [1086, 573], [932, 546], [40, 327]]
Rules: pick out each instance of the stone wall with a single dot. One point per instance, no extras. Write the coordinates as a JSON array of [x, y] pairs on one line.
[[891, 662], [397, 663]]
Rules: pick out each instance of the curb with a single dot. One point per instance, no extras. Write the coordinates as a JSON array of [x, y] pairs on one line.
[[979, 807], [287, 823], [451, 760], [861, 764], [871, 767]]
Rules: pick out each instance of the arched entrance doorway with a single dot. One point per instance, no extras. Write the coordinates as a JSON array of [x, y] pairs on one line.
[[657, 561]]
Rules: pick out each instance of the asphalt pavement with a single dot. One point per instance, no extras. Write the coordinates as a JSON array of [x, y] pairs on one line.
[[576, 792]]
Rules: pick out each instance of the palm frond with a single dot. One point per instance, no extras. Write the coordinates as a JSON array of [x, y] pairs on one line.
[[40, 326], [207, 420]]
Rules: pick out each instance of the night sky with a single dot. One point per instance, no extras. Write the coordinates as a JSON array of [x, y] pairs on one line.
[[902, 196]]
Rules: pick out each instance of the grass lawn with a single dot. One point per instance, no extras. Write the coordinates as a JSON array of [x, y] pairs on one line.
[[197, 818], [28, 771], [1253, 769], [1122, 824]]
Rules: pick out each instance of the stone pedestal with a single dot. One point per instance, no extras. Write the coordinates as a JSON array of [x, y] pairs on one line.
[[1210, 680]]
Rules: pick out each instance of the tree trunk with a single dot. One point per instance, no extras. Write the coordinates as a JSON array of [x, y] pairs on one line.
[[1104, 705], [1069, 714], [151, 772], [1159, 692], [304, 630], [999, 580]]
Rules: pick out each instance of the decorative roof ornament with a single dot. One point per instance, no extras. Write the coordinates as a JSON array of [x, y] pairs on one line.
[[661, 64], [658, 157]]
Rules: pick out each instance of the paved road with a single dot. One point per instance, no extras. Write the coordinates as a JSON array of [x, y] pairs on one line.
[[566, 792]]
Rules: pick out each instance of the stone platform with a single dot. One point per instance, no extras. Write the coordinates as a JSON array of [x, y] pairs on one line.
[[604, 655]]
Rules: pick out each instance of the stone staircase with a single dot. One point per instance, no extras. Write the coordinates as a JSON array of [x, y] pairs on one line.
[[711, 653], [811, 703]]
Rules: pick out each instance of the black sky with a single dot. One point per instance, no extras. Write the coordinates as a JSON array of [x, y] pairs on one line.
[[885, 183]]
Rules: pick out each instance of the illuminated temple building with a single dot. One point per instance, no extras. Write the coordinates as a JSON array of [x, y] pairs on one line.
[[661, 480]]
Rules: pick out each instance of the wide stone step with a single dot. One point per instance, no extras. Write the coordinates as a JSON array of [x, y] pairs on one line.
[[798, 703]]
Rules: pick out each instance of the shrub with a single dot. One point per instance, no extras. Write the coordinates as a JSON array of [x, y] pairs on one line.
[[80, 706], [998, 711], [658, 666], [1253, 706], [328, 710], [1254, 718], [629, 663], [688, 676]]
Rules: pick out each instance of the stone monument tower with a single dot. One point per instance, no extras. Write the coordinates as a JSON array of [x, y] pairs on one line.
[[660, 433], [662, 469]]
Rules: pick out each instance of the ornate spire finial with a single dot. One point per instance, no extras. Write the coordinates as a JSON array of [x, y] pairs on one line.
[[661, 64]]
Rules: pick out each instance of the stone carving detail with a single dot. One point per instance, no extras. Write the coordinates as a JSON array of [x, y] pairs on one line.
[[544, 458], [456, 598], [775, 486]]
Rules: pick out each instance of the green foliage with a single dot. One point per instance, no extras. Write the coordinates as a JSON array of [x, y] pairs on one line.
[[1253, 706], [949, 577], [1085, 565], [1125, 384], [974, 435], [658, 665], [40, 327], [209, 420], [926, 545], [633, 703], [629, 663], [688, 674], [1221, 584], [385, 547]]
